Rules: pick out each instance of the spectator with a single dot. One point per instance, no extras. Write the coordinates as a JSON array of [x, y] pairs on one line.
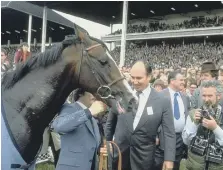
[[22, 53], [159, 85], [5, 63]]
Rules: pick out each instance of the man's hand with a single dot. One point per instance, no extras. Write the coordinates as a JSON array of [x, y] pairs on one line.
[[97, 107], [167, 165], [197, 115], [209, 124]]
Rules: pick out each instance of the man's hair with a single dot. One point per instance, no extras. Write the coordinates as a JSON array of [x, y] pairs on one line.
[[213, 74], [192, 81], [213, 83], [147, 65], [172, 75], [78, 93], [159, 82]]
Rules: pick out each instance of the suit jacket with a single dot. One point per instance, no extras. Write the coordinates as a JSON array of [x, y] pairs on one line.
[[138, 146], [179, 141], [80, 138]]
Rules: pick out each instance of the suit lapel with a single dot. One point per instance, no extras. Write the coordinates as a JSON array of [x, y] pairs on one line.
[[129, 120], [88, 123], [184, 98], [96, 132], [90, 127], [144, 118]]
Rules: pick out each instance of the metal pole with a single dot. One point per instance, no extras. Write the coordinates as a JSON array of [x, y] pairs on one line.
[[124, 29], [111, 26], [30, 30], [44, 28]]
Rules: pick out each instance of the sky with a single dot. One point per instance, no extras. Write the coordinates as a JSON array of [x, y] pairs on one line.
[[94, 29]]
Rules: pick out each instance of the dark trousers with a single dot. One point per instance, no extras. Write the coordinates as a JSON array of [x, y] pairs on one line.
[[181, 151], [125, 161], [159, 159]]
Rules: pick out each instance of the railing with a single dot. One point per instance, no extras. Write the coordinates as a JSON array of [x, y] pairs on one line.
[[167, 34]]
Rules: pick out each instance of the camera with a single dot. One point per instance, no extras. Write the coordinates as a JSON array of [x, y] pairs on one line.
[[205, 114], [199, 145], [215, 154]]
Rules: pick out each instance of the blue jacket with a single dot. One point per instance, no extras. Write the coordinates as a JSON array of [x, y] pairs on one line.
[[80, 138]]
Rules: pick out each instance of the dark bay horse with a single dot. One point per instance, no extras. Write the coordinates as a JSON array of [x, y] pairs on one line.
[[34, 93]]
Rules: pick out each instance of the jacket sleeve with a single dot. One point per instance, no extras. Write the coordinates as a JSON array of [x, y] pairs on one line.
[[110, 125], [69, 119], [168, 132]]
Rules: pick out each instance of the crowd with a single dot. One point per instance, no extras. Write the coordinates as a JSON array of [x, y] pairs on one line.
[[172, 55], [187, 24]]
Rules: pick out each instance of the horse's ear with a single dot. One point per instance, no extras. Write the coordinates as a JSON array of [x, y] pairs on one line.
[[79, 33]]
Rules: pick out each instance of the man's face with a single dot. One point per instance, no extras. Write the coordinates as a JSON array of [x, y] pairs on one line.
[[209, 96], [3, 57], [193, 72], [178, 82], [139, 77], [192, 88], [158, 88], [206, 76]]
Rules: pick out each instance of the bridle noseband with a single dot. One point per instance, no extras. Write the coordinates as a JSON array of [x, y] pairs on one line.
[[103, 88]]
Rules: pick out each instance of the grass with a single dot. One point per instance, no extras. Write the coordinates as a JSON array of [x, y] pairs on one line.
[[45, 166]]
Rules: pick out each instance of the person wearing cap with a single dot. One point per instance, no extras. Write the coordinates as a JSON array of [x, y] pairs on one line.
[[209, 72], [22, 54]]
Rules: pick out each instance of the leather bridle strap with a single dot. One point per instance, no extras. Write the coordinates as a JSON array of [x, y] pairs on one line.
[[92, 47]]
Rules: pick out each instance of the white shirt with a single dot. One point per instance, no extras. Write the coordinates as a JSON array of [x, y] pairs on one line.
[[178, 124], [143, 97], [190, 130]]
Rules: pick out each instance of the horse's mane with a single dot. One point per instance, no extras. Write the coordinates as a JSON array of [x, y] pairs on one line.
[[43, 59]]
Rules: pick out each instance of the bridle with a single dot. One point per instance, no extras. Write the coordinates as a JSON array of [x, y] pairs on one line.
[[102, 88]]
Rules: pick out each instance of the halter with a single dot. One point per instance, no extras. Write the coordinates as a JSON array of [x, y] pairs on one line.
[[103, 88]]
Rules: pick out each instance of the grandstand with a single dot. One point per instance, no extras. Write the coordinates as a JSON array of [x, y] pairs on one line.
[[175, 34]]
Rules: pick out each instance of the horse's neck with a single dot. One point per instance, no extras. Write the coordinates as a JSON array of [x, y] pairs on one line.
[[41, 90]]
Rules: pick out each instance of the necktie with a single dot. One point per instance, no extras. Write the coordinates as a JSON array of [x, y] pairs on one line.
[[137, 103], [176, 107]]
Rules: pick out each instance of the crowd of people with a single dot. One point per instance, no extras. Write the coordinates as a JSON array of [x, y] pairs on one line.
[[187, 24], [172, 55]]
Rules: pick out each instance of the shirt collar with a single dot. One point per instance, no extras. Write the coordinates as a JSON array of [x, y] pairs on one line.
[[146, 91], [82, 105], [172, 92]]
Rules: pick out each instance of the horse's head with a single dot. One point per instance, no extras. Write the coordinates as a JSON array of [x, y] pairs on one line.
[[96, 71]]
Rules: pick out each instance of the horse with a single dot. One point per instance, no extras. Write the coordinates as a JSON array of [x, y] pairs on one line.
[[35, 91]]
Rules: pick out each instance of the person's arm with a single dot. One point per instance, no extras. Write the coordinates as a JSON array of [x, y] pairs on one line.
[[69, 119], [168, 132], [218, 132], [110, 125], [189, 131]]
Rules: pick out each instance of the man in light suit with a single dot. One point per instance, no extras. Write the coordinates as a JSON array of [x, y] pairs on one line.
[[180, 106], [80, 137], [135, 132]]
